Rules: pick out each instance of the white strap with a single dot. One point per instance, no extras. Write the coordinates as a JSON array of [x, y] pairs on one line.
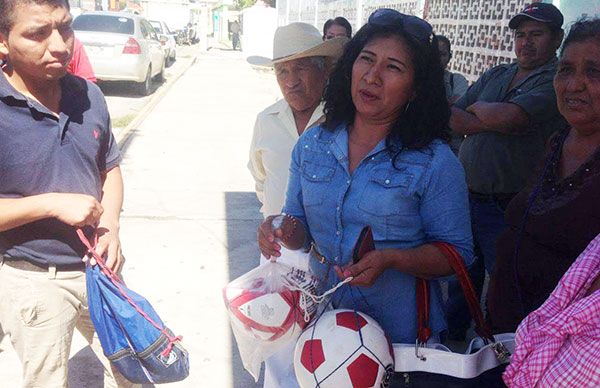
[[436, 359], [305, 294]]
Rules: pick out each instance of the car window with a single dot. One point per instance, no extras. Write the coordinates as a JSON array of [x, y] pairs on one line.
[[104, 23], [157, 26], [167, 29], [145, 30], [151, 34]]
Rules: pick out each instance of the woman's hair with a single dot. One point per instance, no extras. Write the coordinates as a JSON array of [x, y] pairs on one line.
[[340, 21], [446, 41], [581, 31], [427, 114]]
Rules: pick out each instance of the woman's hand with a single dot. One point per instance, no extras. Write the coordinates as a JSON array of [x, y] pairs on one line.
[[367, 270], [267, 238], [281, 229], [594, 287]]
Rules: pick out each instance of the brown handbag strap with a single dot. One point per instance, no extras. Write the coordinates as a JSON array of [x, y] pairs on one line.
[[456, 262], [424, 332]]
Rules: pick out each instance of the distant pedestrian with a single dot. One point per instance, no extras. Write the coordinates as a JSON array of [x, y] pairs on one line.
[[59, 170], [335, 28], [235, 34], [507, 116], [302, 62]]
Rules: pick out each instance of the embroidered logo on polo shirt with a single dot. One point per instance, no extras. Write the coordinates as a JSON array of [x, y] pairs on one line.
[[96, 134]]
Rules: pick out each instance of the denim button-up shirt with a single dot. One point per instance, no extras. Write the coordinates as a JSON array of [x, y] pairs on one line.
[[420, 200]]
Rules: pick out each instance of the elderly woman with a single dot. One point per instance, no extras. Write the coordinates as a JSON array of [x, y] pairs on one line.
[[556, 217], [380, 159]]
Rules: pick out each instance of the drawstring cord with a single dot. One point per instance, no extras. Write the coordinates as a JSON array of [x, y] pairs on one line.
[[306, 295], [116, 281]]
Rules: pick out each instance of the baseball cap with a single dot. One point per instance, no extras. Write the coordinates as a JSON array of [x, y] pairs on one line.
[[541, 12]]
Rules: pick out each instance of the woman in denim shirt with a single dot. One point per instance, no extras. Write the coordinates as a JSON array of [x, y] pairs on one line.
[[380, 159]]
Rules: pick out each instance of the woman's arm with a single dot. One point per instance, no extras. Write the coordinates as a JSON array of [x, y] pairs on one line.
[[594, 287], [425, 262]]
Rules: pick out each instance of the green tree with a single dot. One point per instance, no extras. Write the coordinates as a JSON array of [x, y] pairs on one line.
[[241, 4]]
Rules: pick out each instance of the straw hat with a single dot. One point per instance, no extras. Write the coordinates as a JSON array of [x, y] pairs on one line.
[[300, 40]]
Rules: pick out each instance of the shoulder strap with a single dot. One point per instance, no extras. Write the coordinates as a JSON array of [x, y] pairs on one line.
[[457, 264], [423, 330]]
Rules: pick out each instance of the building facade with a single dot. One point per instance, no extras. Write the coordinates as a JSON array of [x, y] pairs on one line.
[[478, 29]]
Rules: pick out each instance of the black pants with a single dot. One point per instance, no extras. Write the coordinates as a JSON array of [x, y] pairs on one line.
[[490, 379]]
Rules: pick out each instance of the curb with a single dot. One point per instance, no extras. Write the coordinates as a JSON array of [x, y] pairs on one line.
[[124, 135]]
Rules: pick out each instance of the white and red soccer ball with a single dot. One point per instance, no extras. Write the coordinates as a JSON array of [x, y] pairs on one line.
[[264, 315], [343, 348]]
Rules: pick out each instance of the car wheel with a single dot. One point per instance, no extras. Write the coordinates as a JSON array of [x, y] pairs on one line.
[[145, 87], [160, 77]]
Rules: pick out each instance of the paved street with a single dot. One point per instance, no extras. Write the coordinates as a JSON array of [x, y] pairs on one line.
[[190, 215], [123, 101]]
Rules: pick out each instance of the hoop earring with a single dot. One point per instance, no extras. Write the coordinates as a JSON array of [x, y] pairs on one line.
[[406, 107]]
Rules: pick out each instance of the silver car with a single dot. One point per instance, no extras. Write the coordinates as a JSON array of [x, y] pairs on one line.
[[121, 47], [167, 38]]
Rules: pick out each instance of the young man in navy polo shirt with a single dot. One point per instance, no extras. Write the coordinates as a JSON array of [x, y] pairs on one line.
[[59, 171]]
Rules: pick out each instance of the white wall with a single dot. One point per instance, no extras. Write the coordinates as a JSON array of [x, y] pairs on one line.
[[175, 14], [258, 28]]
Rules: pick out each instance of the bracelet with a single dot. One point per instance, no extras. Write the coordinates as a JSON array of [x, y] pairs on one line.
[[293, 229], [277, 223]]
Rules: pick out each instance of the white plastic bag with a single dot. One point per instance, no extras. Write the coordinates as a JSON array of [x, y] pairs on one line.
[[268, 308], [298, 259]]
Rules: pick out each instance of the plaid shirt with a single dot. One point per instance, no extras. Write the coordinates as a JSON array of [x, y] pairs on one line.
[[558, 345]]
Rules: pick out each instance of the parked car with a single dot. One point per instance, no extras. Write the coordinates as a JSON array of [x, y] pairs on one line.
[[167, 38], [121, 47]]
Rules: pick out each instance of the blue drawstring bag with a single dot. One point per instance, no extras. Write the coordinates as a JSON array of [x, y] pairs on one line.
[[132, 334]]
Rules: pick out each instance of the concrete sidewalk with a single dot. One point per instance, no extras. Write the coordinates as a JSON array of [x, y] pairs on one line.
[[190, 215]]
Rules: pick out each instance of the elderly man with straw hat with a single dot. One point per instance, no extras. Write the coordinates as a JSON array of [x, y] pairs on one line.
[[302, 61]]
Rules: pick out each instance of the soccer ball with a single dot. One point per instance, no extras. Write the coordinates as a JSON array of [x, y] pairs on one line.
[[266, 316], [343, 348]]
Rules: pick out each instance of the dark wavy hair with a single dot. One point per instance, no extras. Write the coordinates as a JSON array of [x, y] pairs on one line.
[[7, 9], [583, 30], [446, 41], [340, 21], [427, 115]]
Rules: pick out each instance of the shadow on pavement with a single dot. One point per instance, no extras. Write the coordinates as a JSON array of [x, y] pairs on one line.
[[85, 370], [243, 218], [223, 49], [125, 89]]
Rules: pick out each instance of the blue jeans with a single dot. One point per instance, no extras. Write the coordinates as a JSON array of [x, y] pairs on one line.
[[487, 221]]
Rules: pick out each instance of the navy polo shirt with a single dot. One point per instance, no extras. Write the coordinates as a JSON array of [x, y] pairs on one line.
[[502, 163], [42, 153]]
